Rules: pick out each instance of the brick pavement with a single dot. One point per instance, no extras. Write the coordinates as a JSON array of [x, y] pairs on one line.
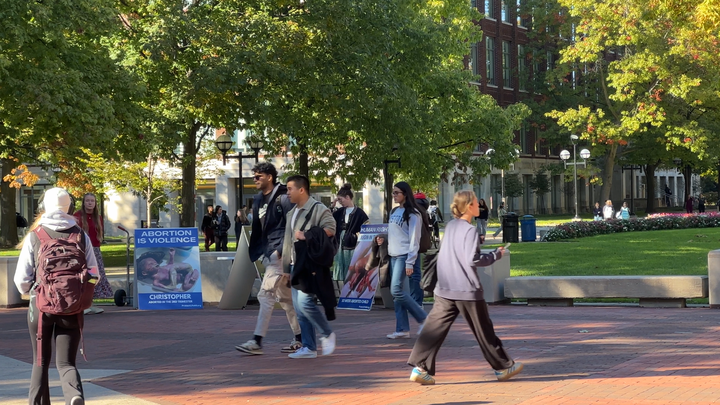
[[578, 355]]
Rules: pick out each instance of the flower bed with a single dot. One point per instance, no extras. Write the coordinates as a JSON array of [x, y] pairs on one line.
[[655, 222]]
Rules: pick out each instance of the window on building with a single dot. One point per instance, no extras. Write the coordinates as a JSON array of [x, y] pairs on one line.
[[506, 64], [490, 60], [525, 141], [474, 60], [505, 12], [473, 4], [550, 60], [522, 68], [490, 9], [522, 13]]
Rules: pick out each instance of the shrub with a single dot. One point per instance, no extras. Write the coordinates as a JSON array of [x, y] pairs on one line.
[[573, 230]]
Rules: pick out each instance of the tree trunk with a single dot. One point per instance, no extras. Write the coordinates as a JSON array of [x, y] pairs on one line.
[[8, 224], [650, 187], [687, 174], [148, 206], [303, 166], [608, 172], [718, 187], [187, 187]]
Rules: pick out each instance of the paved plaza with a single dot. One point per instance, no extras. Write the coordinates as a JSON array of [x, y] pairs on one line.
[[578, 355]]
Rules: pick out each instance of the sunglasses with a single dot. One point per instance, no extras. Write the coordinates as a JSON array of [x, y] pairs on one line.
[[257, 177], [397, 192]]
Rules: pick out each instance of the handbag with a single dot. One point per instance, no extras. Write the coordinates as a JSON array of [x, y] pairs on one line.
[[429, 276]]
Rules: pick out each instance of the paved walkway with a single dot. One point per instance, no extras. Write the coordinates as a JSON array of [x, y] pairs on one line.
[[578, 355]]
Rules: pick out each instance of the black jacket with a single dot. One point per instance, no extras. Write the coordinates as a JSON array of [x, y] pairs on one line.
[[207, 223], [222, 224], [311, 273], [357, 218], [597, 212], [264, 241]]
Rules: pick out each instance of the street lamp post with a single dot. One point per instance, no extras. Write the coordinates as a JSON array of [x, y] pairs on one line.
[[388, 184], [565, 155], [224, 143]]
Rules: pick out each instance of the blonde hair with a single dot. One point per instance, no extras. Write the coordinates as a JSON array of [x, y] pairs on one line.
[[461, 201]]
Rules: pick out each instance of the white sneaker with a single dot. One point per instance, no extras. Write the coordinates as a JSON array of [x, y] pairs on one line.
[[399, 335], [303, 353], [250, 347], [328, 344]]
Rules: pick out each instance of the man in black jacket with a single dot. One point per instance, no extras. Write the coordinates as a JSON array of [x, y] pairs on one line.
[[221, 223], [270, 206], [207, 228]]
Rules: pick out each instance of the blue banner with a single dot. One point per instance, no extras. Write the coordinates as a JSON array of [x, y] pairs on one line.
[[361, 284], [167, 268]]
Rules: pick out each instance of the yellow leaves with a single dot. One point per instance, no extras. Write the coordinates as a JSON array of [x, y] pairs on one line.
[[20, 176]]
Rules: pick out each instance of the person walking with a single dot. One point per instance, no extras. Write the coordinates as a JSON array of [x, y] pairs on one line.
[[689, 205], [88, 217], [501, 216], [348, 221], [436, 218], [403, 245], [221, 226], [668, 194], [458, 292], [701, 204], [482, 220], [207, 228], [608, 210], [270, 207], [597, 212], [309, 249], [55, 222]]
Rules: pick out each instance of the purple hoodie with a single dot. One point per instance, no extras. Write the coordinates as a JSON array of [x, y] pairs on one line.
[[459, 255]]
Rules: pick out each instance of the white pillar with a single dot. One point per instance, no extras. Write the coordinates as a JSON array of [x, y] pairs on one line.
[[714, 278]]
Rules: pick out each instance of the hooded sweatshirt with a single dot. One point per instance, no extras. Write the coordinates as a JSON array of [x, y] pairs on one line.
[[459, 255], [57, 221]]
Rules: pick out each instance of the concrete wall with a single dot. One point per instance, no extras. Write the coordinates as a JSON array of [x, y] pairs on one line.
[[9, 295]]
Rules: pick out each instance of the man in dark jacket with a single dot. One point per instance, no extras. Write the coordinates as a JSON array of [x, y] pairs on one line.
[[311, 279], [221, 225], [270, 206]]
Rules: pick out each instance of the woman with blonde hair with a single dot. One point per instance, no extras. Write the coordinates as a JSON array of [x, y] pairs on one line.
[[88, 217], [458, 291]]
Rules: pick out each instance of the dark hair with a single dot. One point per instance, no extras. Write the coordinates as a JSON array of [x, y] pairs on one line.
[[410, 205], [484, 204], [345, 191], [433, 202], [300, 181], [266, 168]]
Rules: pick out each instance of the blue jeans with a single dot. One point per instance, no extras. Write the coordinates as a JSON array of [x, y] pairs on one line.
[[310, 318], [404, 303], [416, 291]]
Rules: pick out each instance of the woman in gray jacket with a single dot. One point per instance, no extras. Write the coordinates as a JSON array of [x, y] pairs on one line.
[[458, 291]]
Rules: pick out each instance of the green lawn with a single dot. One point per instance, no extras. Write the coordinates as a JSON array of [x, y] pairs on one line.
[[675, 252], [113, 253]]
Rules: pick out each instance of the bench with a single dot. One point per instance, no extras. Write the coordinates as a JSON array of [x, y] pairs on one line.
[[653, 291]]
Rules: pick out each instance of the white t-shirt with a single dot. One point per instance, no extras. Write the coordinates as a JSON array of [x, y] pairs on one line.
[[348, 211]]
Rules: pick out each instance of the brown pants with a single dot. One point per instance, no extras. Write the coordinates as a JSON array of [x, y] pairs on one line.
[[209, 239], [438, 323]]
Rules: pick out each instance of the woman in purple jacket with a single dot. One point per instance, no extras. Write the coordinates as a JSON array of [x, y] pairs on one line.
[[458, 291]]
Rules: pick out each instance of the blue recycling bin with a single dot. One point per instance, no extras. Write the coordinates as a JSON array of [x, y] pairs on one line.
[[527, 226]]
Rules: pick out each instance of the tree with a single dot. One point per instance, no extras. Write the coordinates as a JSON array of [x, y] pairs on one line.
[[60, 89], [540, 185], [513, 188], [151, 179]]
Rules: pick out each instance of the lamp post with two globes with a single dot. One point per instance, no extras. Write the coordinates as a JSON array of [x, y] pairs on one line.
[[224, 143], [565, 155]]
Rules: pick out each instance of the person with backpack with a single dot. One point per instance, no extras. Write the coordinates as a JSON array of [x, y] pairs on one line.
[[482, 220], [435, 218], [58, 269], [270, 206], [404, 234], [458, 291], [88, 218]]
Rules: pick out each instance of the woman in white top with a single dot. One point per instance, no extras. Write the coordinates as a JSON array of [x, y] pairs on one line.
[[404, 231]]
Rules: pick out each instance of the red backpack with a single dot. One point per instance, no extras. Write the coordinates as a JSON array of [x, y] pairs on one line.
[[64, 284]]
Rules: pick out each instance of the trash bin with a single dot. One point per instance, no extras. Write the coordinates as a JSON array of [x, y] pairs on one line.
[[527, 226], [510, 228]]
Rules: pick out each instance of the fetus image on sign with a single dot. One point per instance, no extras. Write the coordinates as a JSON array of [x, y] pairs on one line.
[[159, 270]]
